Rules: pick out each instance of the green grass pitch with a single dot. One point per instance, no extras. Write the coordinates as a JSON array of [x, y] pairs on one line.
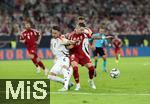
[[132, 87]]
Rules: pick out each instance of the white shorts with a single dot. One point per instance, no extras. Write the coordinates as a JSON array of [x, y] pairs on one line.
[[58, 65]]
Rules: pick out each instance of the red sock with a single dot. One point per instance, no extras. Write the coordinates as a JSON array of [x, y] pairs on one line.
[[91, 72], [34, 60], [76, 74], [41, 65], [116, 57]]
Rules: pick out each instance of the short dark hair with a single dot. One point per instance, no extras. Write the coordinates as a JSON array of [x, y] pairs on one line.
[[82, 24], [102, 27], [56, 28], [81, 18]]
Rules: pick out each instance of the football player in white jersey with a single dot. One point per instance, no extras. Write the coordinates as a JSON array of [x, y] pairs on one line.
[[62, 61]]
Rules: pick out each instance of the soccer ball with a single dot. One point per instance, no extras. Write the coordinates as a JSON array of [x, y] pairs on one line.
[[114, 73]]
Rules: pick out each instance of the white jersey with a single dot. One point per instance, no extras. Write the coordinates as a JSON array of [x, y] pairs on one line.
[[58, 48], [61, 56]]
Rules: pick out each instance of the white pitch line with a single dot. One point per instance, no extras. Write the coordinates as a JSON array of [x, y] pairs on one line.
[[132, 63], [98, 94], [102, 94]]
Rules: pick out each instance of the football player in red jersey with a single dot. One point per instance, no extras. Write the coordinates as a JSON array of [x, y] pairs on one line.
[[117, 43], [79, 53], [31, 38]]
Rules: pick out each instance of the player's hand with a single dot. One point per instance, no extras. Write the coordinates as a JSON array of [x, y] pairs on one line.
[[103, 37], [108, 37], [69, 46], [72, 42]]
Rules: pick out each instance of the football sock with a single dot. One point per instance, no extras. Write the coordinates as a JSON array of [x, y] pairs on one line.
[[41, 65], [67, 76], [118, 56], [37, 62], [34, 62], [96, 63], [104, 65], [56, 79], [76, 74], [91, 72]]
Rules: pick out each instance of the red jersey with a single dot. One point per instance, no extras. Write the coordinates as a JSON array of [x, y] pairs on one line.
[[116, 43], [81, 47], [30, 36]]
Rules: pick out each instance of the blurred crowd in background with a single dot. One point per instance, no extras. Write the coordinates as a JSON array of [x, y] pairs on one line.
[[125, 17]]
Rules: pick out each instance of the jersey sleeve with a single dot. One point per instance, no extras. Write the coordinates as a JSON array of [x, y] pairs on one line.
[[36, 32], [21, 37], [88, 32], [96, 34]]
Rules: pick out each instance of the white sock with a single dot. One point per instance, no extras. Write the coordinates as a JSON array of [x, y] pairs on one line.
[[56, 79], [67, 75]]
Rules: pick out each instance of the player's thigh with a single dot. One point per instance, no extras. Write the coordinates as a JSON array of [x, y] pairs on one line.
[[70, 70], [31, 56], [65, 62], [32, 52], [56, 69], [102, 52], [84, 61], [66, 68], [74, 60], [88, 65], [67, 72], [95, 53], [118, 51]]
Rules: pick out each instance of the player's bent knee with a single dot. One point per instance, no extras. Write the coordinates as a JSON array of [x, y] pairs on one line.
[[31, 56], [95, 57], [64, 67], [74, 64], [38, 59], [104, 57], [52, 74], [88, 65], [51, 77]]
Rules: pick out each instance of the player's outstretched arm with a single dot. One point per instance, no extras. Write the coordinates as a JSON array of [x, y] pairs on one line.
[[39, 38], [96, 37], [109, 37], [113, 43], [65, 41], [22, 41], [120, 43], [102, 37], [69, 46]]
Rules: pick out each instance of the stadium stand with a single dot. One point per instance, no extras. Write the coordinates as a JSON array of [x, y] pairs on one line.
[[123, 17]]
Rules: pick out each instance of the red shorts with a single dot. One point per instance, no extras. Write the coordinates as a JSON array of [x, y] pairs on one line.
[[80, 60], [32, 50], [117, 50]]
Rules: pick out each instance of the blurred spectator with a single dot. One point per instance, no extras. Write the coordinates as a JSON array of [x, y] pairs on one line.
[[119, 16]]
